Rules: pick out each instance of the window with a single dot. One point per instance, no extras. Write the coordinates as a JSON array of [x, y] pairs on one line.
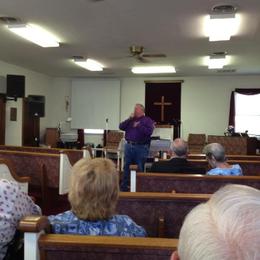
[[247, 113]]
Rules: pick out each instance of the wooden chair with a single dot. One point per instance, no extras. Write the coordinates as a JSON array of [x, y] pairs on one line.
[[196, 142], [113, 148], [39, 244]]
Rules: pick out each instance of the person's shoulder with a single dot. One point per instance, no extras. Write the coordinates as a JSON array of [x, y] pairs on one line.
[[130, 228], [7, 186], [157, 166], [66, 216], [215, 171], [5, 183], [121, 218], [236, 169], [236, 166]]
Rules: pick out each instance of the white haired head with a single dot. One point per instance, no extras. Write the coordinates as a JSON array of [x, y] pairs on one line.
[[179, 148], [226, 227]]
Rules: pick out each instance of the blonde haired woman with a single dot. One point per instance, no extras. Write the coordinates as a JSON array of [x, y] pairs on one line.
[[93, 197]]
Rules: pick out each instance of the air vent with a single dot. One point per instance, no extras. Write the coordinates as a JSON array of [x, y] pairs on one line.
[[9, 20], [77, 57], [220, 53], [224, 9], [226, 71], [106, 72]]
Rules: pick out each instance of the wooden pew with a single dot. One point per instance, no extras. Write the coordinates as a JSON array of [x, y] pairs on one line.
[[28, 164], [190, 183], [7, 171], [229, 157], [41, 245], [49, 174], [161, 214], [73, 155], [154, 211], [249, 167]]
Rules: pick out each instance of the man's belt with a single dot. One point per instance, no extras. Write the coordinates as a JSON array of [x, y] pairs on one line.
[[136, 143]]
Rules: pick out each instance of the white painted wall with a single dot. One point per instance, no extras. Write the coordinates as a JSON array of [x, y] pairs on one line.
[[204, 108], [60, 90], [13, 129], [35, 84], [204, 101]]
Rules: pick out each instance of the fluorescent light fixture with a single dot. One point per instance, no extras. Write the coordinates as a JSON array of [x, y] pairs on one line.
[[220, 27], [34, 34], [217, 62], [89, 64], [153, 69]]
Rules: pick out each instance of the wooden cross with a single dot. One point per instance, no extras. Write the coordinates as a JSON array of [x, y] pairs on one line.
[[162, 104]]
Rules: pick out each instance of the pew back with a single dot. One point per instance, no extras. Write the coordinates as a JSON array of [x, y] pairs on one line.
[[29, 164], [149, 209], [59, 247], [249, 167], [73, 155], [76, 247], [231, 157], [189, 183], [7, 171]]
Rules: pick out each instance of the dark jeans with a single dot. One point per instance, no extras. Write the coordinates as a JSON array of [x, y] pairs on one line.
[[134, 154]]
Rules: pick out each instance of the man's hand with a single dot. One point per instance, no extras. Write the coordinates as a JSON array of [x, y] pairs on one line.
[[136, 124], [131, 116]]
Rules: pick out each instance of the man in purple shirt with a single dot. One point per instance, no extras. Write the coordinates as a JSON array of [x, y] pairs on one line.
[[138, 130]]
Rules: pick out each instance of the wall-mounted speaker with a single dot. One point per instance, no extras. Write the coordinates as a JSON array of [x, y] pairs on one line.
[[15, 86], [36, 105]]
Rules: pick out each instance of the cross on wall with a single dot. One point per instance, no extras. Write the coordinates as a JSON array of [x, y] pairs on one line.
[[162, 104]]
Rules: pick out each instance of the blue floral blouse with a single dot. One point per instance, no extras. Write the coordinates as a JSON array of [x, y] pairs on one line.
[[117, 225], [235, 170]]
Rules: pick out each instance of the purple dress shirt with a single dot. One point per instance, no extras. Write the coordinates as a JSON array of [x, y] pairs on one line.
[[141, 133]]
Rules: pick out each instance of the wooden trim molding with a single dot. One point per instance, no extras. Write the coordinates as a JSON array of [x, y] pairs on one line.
[[163, 81]]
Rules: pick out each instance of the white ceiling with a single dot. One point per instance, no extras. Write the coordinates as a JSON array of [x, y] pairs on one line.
[[104, 30]]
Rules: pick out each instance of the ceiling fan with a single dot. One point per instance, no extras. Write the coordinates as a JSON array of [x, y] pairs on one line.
[[137, 52]]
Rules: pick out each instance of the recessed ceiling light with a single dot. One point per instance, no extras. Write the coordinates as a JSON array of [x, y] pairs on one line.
[[222, 23], [34, 34], [88, 64], [217, 61], [153, 69]]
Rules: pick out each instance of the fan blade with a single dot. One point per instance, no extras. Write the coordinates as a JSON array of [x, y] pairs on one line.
[[154, 55], [141, 59]]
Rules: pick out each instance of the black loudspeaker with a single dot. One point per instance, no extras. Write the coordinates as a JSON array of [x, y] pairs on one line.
[[15, 86], [36, 105]]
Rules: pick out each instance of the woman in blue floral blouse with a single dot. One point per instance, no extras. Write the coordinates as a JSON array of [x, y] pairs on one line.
[[215, 154], [93, 197]]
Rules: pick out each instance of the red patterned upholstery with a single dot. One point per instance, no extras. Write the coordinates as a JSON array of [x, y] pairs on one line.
[[29, 164], [146, 209]]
